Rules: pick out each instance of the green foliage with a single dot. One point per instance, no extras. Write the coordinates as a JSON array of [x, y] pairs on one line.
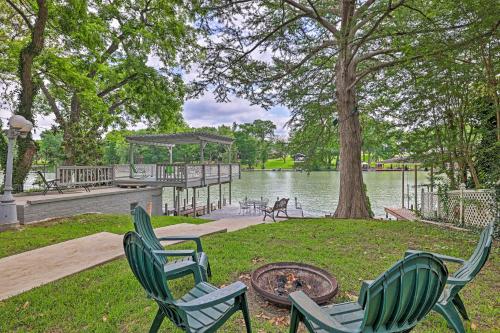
[[281, 148], [109, 64], [263, 132], [50, 148], [247, 148], [314, 133]]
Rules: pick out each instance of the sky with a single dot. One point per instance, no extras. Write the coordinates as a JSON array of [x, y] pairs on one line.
[[204, 111]]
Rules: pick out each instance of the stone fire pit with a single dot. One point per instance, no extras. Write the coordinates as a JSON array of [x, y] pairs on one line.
[[276, 281]]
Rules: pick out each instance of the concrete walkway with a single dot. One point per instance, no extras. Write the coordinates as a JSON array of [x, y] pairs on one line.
[[28, 270]]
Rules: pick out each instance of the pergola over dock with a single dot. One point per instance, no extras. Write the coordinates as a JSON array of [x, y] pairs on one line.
[[181, 176], [170, 140]]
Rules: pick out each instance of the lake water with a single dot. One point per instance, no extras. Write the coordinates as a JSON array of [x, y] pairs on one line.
[[316, 192]]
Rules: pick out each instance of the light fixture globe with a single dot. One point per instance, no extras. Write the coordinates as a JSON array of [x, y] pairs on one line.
[[20, 124], [17, 122]]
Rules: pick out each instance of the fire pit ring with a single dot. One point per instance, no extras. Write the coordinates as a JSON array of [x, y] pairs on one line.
[[275, 281]]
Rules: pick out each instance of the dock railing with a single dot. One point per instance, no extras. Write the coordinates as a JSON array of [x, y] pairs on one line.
[[75, 176], [182, 173]]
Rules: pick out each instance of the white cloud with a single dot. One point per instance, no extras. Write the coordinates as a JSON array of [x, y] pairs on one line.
[[206, 111]]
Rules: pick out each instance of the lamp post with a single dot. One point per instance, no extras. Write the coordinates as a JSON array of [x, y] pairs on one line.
[[18, 126]]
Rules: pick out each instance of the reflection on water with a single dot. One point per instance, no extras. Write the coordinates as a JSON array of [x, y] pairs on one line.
[[317, 192]]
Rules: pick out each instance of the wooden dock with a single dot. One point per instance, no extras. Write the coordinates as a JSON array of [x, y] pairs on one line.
[[400, 213]]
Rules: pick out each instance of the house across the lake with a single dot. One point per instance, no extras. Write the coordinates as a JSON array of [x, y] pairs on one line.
[[299, 157]]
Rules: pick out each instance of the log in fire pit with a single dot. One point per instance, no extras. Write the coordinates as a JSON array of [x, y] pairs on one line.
[[276, 281]]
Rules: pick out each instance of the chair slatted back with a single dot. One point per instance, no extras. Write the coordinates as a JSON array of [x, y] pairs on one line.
[[142, 225], [148, 269], [404, 294], [284, 203], [146, 266], [276, 204], [479, 257], [280, 204]]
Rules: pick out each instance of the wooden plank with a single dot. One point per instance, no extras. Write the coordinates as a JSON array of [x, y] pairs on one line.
[[401, 213]]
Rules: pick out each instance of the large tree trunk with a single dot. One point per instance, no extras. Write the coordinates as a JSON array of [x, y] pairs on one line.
[[26, 148], [352, 199]]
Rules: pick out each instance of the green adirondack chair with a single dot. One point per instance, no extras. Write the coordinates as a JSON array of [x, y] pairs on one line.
[[450, 304], [142, 225], [395, 302], [203, 309]]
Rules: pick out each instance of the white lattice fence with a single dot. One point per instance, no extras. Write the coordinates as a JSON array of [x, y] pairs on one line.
[[467, 208], [480, 208]]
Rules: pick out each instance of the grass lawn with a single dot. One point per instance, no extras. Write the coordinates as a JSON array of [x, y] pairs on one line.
[[278, 163], [56, 231], [109, 299]]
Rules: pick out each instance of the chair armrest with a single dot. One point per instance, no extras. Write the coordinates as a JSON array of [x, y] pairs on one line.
[[195, 239], [182, 266], [177, 253], [440, 256], [362, 292], [216, 297], [309, 309], [456, 282]]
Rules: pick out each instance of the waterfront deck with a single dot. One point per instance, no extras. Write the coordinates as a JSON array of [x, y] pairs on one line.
[[176, 175]]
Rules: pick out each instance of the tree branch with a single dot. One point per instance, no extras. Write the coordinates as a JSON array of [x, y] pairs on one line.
[[269, 35], [313, 52], [372, 69], [20, 12], [372, 54], [116, 105], [374, 27], [313, 14], [109, 51], [117, 85], [53, 105]]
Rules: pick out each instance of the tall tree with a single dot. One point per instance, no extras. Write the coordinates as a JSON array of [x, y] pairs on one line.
[[36, 24], [99, 72], [291, 50]]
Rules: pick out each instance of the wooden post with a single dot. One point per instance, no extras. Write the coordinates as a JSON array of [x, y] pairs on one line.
[[194, 201], [202, 151], [173, 204], [187, 196], [178, 201], [403, 187], [422, 201], [170, 147], [432, 178], [461, 216], [416, 192], [220, 195], [229, 193], [208, 199], [130, 158]]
